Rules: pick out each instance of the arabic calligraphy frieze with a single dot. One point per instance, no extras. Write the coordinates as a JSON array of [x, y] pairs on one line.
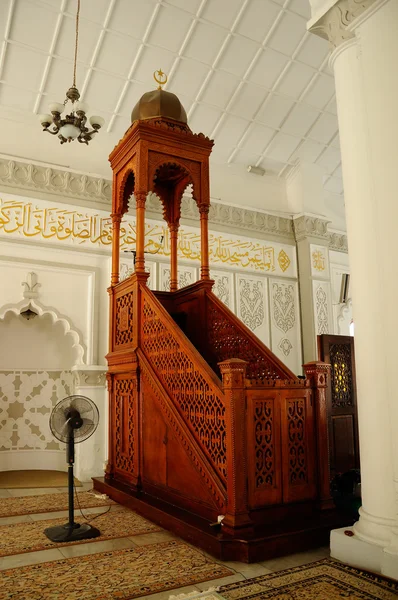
[[67, 224]]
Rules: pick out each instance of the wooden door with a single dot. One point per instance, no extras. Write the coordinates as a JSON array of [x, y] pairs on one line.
[[338, 351]]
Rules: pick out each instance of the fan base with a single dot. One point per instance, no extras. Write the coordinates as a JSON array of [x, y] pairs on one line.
[[62, 533]]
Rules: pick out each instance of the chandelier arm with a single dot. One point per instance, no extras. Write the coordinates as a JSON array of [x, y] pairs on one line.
[[52, 131]]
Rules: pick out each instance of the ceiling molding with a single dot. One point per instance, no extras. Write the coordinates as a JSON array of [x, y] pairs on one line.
[[338, 242], [308, 226], [45, 182], [29, 179]]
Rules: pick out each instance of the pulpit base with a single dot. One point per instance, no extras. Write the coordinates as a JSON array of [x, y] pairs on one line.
[[271, 541]]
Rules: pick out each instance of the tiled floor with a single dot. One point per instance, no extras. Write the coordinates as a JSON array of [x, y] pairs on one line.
[[241, 570]]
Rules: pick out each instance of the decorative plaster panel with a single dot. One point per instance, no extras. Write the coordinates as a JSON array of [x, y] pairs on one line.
[[33, 177], [319, 261], [322, 307], [127, 269], [224, 287], [89, 376], [307, 226], [285, 323], [336, 25], [338, 242], [252, 304], [186, 276], [26, 401]]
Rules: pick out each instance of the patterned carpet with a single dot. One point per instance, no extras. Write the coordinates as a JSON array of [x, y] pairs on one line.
[[29, 537], [322, 580], [119, 575], [29, 505]]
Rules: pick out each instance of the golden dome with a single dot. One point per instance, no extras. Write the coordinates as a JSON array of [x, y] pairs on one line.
[[159, 103]]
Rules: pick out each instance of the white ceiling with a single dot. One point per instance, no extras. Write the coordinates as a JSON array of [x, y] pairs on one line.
[[247, 72]]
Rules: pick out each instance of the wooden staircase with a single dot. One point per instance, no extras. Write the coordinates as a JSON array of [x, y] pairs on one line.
[[206, 422]]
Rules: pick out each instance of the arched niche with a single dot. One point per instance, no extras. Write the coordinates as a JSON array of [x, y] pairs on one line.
[[64, 323], [36, 360]]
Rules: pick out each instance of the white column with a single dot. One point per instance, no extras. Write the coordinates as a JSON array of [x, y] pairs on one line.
[[304, 190], [91, 454], [365, 36]]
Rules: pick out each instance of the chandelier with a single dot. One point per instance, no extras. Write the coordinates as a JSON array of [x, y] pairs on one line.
[[73, 125]]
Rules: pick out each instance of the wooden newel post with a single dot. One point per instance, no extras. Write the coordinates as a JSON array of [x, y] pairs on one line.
[[116, 219], [204, 241], [173, 228], [140, 199], [237, 517], [318, 374]]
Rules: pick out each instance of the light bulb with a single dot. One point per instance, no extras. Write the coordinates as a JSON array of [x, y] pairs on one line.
[[45, 119], [69, 131], [81, 106], [99, 121], [56, 107]]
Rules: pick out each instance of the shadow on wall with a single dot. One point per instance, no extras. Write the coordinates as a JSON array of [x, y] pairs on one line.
[[37, 343]]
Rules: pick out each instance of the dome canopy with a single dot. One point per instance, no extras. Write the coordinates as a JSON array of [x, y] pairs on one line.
[[159, 103]]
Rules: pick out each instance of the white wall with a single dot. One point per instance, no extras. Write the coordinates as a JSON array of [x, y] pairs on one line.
[[35, 344], [342, 313]]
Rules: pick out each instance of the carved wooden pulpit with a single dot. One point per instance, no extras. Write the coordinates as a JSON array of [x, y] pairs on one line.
[[205, 422], [160, 154]]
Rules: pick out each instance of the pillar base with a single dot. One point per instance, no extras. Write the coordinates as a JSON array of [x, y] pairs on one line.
[[362, 555]]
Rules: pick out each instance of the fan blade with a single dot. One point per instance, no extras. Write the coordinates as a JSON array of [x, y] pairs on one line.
[[87, 423], [81, 412]]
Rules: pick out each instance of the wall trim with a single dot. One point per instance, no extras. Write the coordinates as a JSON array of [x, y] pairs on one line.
[[47, 183]]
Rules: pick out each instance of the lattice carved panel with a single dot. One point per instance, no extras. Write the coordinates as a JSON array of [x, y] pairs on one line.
[[341, 385], [297, 451], [201, 404], [226, 341], [264, 449], [124, 320], [124, 438]]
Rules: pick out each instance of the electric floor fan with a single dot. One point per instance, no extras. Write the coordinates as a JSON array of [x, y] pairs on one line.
[[72, 420]]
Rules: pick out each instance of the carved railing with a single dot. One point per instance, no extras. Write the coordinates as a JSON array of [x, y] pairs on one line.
[[194, 388], [228, 337]]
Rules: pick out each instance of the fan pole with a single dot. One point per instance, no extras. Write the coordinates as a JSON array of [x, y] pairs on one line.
[[71, 459]]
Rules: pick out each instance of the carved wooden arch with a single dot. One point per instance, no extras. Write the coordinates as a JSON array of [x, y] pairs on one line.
[[170, 192], [125, 184], [192, 168]]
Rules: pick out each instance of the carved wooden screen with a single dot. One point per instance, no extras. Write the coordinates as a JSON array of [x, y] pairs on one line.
[[123, 311], [228, 338], [264, 447], [338, 351], [185, 378], [298, 445], [125, 426]]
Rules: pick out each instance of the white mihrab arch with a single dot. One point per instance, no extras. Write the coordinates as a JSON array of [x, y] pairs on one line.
[[28, 395]]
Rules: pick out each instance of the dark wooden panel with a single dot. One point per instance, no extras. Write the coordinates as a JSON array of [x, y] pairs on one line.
[[154, 436], [344, 442], [338, 351]]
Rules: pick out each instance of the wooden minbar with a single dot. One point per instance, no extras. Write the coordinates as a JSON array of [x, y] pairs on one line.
[[206, 424]]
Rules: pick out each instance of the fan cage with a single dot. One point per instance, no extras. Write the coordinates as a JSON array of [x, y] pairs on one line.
[[59, 418]]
